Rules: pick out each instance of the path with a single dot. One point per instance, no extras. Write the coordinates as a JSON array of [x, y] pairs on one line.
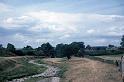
[[87, 70], [48, 74]]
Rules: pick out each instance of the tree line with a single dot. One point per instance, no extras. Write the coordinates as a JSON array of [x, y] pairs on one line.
[[47, 50]]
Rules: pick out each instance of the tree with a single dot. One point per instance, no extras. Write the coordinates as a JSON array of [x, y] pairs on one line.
[[11, 48], [67, 51], [1, 46], [47, 49], [60, 50], [19, 53], [111, 46], [76, 46], [28, 50], [39, 52], [81, 52], [88, 47], [122, 41]]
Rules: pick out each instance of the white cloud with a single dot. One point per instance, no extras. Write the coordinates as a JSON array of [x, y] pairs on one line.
[[4, 7], [21, 38], [16, 22], [52, 26], [90, 31], [65, 36]]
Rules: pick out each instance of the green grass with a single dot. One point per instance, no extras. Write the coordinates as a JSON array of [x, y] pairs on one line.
[[102, 60], [63, 68], [25, 69], [40, 61]]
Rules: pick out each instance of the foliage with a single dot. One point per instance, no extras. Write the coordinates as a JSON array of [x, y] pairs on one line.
[[47, 49], [23, 69], [68, 50], [5, 52], [19, 53], [76, 46], [63, 68], [122, 42], [28, 50], [11, 48], [60, 50]]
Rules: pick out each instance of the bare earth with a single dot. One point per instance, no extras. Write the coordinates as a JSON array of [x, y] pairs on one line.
[[86, 70]]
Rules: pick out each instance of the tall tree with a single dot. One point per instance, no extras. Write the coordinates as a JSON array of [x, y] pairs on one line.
[[60, 50], [47, 49], [122, 41], [1, 46], [76, 46], [68, 51], [11, 48]]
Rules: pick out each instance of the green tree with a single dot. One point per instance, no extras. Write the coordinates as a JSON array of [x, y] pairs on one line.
[[88, 47], [60, 50], [122, 41], [76, 46], [67, 51], [1, 46], [47, 49], [11, 48], [28, 50]]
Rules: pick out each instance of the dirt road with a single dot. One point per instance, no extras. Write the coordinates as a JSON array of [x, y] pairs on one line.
[[87, 70]]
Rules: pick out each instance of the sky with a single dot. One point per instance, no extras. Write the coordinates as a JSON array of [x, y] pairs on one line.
[[33, 22]]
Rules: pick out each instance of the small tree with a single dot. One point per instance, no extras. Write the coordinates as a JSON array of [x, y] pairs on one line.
[[28, 50], [122, 41], [88, 47], [11, 48], [1, 46]]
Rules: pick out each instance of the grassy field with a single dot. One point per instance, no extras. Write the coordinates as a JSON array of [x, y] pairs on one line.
[[111, 57], [88, 70], [85, 70], [74, 70], [57, 62], [15, 67]]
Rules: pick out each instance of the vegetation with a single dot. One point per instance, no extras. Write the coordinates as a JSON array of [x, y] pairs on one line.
[[11, 48], [64, 67], [62, 50], [122, 42], [18, 67]]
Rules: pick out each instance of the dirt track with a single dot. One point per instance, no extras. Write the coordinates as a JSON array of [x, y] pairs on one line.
[[86, 70]]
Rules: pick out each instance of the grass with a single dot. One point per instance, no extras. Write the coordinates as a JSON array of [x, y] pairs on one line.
[[15, 68], [99, 58], [39, 61], [63, 66]]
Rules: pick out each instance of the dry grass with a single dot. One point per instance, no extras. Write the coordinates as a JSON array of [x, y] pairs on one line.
[[86, 70]]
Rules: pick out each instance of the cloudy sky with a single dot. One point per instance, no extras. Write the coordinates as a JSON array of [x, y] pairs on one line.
[[33, 22]]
